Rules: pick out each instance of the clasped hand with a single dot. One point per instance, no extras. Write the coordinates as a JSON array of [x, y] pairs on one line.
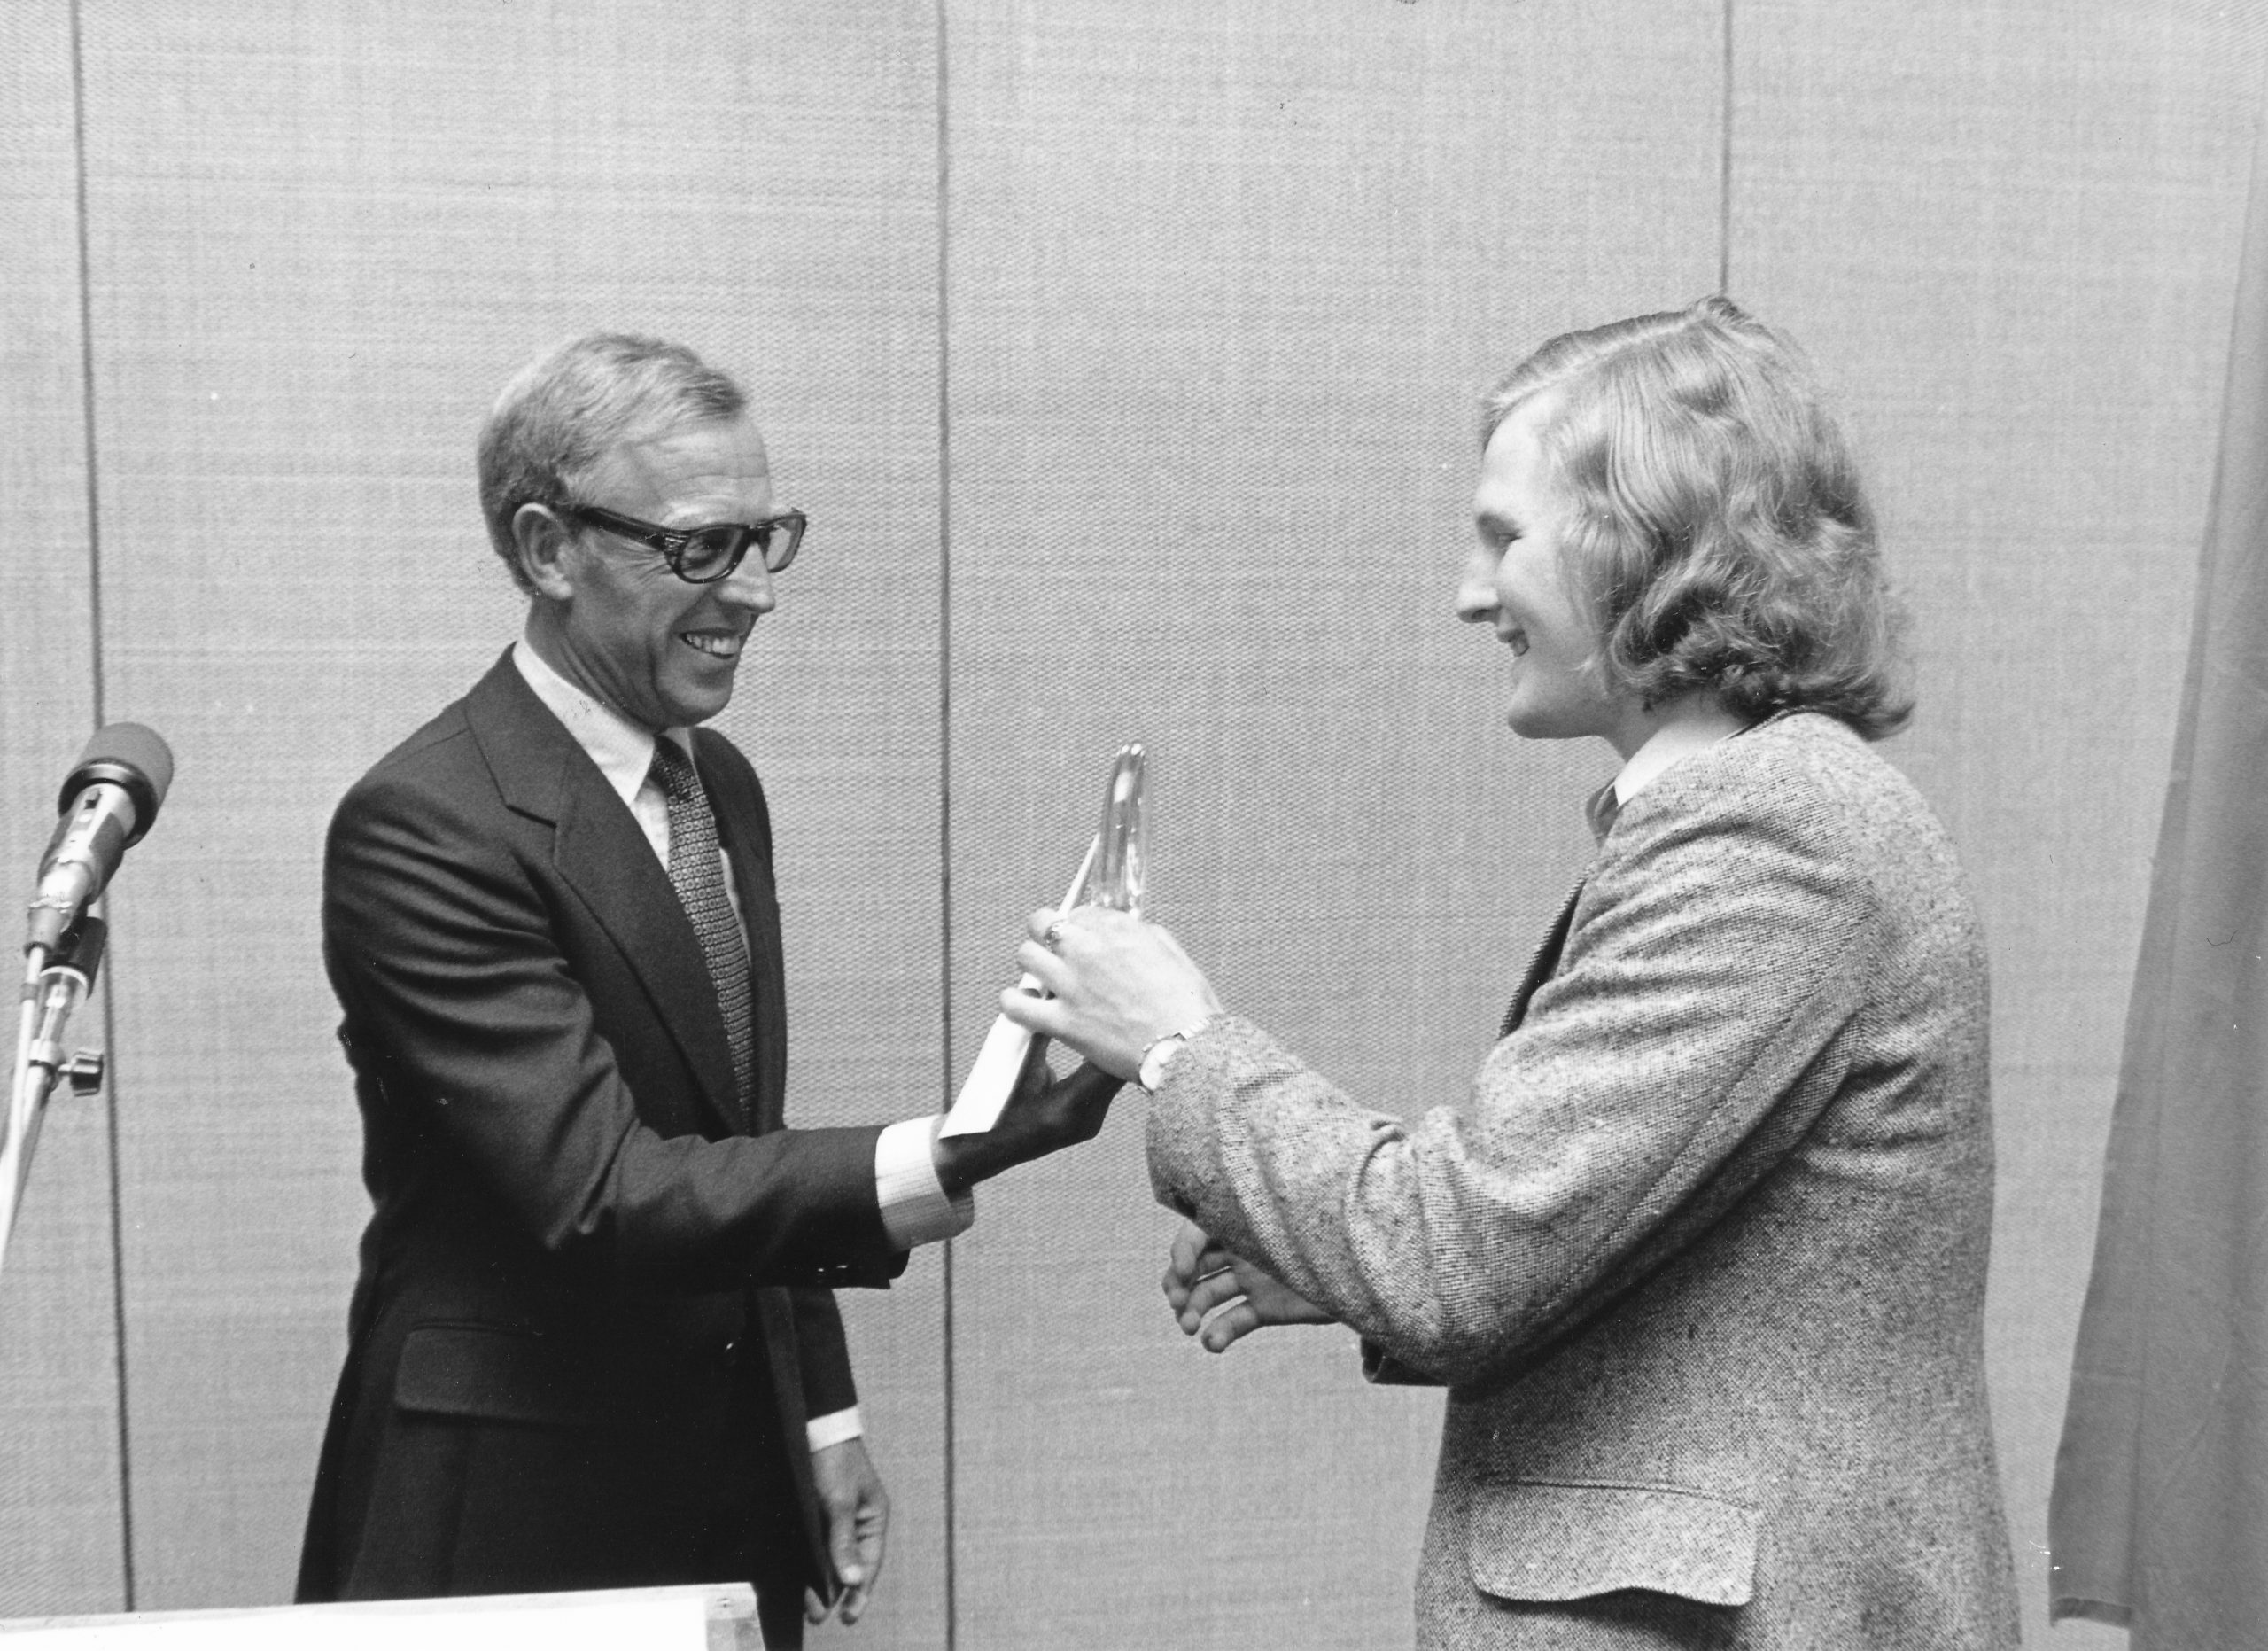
[[1200, 1277], [1116, 985]]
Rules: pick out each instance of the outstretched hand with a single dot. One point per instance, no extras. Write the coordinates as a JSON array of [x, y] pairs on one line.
[[1045, 1114], [1200, 1276]]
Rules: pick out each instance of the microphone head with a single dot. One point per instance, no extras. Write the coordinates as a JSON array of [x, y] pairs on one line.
[[131, 756]]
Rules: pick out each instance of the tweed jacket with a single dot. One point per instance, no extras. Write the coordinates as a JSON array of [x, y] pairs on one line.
[[1701, 1255], [584, 1257]]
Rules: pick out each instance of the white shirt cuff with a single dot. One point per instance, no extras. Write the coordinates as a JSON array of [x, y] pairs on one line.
[[833, 1429], [915, 1210]]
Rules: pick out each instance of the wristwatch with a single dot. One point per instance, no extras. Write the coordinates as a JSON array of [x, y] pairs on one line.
[[1157, 1057]]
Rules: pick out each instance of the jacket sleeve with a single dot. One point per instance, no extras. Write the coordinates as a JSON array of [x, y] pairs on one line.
[[1685, 1043], [461, 1005], [824, 1355]]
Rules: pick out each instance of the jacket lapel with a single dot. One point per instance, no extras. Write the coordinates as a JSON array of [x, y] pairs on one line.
[[1599, 812], [1541, 967], [600, 852]]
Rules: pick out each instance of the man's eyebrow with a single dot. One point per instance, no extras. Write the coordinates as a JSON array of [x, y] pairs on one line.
[[1497, 522]]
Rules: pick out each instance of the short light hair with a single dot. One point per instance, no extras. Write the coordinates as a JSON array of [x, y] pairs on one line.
[[1718, 531], [567, 410]]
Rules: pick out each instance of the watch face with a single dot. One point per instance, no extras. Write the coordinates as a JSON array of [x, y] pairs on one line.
[[1153, 1070]]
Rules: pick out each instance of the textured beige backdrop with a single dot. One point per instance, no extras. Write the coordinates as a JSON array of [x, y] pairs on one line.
[[1125, 358], [61, 1500]]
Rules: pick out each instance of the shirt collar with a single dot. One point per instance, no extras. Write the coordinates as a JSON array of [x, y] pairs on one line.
[[623, 750], [1664, 748]]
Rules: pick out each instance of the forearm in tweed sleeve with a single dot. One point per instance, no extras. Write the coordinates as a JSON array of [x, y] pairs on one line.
[[1688, 1040]]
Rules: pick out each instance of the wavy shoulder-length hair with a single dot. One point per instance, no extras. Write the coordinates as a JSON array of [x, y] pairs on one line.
[[1718, 529]]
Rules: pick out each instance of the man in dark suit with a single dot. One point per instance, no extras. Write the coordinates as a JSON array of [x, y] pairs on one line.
[[594, 1343]]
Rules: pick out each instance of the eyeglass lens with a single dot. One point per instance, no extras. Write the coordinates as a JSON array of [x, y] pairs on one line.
[[708, 551]]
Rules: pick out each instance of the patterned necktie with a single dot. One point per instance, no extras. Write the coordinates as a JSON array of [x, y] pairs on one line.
[[698, 872]]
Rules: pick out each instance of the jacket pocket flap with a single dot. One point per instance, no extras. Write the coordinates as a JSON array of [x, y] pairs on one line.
[[1554, 1542], [494, 1374]]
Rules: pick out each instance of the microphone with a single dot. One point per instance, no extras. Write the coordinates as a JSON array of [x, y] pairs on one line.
[[109, 801]]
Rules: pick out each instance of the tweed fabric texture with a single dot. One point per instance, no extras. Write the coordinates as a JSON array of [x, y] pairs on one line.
[[698, 874], [1701, 1257]]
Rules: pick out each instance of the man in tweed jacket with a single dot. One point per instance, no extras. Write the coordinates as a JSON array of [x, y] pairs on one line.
[[1701, 1256]]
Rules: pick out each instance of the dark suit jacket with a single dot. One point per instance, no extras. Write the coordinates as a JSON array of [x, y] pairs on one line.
[[583, 1273], [1701, 1256]]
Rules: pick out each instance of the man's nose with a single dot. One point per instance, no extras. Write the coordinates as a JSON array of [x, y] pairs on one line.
[[1476, 590], [749, 585]]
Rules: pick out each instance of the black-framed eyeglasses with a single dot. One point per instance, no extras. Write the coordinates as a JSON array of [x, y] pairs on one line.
[[702, 556]]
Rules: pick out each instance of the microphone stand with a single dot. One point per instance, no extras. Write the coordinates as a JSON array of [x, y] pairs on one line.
[[54, 985]]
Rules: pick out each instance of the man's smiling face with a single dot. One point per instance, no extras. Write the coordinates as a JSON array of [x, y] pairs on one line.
[[1516, 582], [632, 634]]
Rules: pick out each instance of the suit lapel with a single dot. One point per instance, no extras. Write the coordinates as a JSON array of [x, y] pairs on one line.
[[1545, 963], [600, 852]]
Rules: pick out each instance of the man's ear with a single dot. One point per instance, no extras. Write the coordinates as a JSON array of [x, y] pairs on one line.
[[542, 543]]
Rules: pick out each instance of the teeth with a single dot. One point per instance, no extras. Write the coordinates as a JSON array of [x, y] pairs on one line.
[[723, 645], [1517, 642]]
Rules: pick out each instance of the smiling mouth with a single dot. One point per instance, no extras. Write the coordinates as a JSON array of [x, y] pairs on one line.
[[716, 644], [1518, 643]]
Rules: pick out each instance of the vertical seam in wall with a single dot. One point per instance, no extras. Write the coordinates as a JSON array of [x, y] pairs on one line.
[[1725, 165], [945, 791], [95, 667]]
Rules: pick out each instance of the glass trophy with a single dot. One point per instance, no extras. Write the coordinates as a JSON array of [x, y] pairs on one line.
[[1110, 874]]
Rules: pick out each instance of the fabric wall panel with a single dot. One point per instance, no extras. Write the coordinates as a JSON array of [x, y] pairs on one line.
[[2009, 233], [1224, 286], [61, 1539], [323, 238], [1221, 285]]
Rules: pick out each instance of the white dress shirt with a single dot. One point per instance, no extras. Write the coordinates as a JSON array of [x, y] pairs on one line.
[[1668, 746], [914, 1207]]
